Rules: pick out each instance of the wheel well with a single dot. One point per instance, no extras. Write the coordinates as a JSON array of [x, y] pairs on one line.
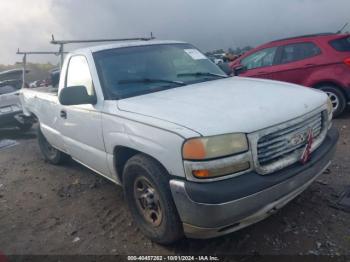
[[122, 154]]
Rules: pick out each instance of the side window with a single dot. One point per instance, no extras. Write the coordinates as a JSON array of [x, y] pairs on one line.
[[299, 51], [78, 74], [261, 58], [341, 45]]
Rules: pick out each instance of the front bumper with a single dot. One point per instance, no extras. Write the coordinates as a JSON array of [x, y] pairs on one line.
[[217, 208]]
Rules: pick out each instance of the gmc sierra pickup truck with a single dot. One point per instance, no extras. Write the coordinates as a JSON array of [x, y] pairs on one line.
[[198, 154]]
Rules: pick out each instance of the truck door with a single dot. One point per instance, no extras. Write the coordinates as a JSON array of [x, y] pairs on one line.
[[81, 126]]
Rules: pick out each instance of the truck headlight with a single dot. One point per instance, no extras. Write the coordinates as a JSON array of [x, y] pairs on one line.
[[204, 148]]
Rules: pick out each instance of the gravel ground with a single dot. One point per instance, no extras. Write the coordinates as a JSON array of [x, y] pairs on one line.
[[46, 209]]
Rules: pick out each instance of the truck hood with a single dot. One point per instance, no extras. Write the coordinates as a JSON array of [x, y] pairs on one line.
[[227, 105]]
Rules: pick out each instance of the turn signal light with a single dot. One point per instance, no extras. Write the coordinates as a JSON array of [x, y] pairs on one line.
[[221, 171], [201, 173], [347, 61]]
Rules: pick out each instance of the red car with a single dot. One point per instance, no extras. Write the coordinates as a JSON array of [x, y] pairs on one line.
[[320, 61]]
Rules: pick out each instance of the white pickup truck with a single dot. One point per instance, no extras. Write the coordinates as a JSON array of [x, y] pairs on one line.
[[198, 153]]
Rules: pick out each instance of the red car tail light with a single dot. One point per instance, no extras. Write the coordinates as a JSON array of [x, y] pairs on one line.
[[347, 61]]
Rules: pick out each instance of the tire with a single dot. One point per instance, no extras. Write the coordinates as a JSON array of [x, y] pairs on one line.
[[148, 195], [51, 154], [24, 127], [337, 97]]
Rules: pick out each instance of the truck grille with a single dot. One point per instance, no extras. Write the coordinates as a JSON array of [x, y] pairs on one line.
[[285, 141]]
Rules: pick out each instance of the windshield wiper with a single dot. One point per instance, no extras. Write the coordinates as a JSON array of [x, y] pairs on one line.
[[202, 74], [151, 80]]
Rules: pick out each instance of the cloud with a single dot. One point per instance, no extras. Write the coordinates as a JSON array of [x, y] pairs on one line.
[[207, 24], [25, 24]]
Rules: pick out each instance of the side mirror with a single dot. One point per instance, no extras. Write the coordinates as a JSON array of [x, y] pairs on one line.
[[239, 70], [76, 95]]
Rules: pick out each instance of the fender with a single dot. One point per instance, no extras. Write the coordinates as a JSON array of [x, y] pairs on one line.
[[162, 145]]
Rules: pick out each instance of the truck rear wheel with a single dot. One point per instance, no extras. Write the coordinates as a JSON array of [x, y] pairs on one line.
[[147, 192], [51, 154]]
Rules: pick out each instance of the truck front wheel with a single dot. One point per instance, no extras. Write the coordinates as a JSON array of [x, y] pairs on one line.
[[147, 192], [51, 154]]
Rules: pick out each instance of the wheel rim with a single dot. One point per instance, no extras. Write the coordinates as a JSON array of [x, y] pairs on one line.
[[147, 201], [334, 99]]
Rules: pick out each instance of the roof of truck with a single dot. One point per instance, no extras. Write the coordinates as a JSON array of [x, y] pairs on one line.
[[126, 44]]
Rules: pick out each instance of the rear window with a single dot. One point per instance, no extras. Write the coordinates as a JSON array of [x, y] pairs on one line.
[[7, 89], [298, 51], [341, 45], [10, 86]]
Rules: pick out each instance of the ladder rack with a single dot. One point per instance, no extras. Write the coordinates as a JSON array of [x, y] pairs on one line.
[[24, 60], [61, 43]]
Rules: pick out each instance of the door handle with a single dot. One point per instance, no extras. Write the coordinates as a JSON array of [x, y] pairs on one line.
[[63, 114], [309, 65]]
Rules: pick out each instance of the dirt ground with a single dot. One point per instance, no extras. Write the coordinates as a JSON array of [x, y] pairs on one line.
[[46, 209]]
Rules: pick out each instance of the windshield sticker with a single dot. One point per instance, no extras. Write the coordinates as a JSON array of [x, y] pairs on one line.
[[195, 54]]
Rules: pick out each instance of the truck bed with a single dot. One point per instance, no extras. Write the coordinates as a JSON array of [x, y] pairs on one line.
[[37, 100]]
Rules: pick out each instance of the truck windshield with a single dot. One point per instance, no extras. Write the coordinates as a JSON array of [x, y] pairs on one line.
[[132, 71]]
